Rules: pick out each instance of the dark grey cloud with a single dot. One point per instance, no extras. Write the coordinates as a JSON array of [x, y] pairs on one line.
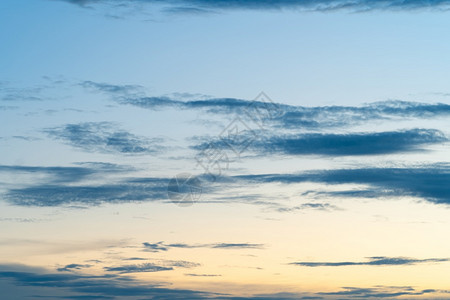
[[147, 267], [68, 186], [104, 137], [316, 206], [40, 283], [59, 175], [44, 284], [72, 267], [215, 105], [134, 258], [339, 116], [112, 88], [427, 182], [180, 264], [380, 292], [201, 275], [161, 246], [237, 246], [371, 143], [155, 247], [264, 110], [302, 5], [294, 117], [58, 195], [374, 261]]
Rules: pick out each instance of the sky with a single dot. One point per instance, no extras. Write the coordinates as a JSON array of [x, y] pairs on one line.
[[210, 149]]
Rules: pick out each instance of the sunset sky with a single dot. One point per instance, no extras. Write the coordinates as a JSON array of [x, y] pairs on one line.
[[211, 149]]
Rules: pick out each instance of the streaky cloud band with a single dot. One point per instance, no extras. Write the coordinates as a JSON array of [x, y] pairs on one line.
[[302, 5], [374, 261]]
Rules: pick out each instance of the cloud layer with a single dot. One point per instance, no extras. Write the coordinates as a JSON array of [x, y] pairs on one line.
[[104, 137], [374, 261], [303, 5], [35, 283], [161, 246], [329, 144], [428, 183]]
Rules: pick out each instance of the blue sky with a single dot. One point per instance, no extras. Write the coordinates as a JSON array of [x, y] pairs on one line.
[[306, 57], [224, 149]]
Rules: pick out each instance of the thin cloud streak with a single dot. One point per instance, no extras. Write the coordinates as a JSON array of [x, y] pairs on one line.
[[302, 5], [162, 247], [374, 261]]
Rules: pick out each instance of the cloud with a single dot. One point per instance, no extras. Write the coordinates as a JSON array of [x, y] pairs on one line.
[[81, 185], [201, 275], [264, 110], [7, 107], [156, 247], [161, 246], [374, 261], [214, 105], [32, 282], [181, 264], [380, 292], [112, 88], [57, 195], [339, 116], [302, 5], [21, 94], [42, 283], [264, 113], [104, 137], [316, 206], [147, 267], [59, 175], [158, 266], [66, 186], [72, 267], [237, 246], [371, 143], [427, 182]]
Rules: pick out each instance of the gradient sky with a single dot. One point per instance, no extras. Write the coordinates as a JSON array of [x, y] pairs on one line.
[[312, 139]]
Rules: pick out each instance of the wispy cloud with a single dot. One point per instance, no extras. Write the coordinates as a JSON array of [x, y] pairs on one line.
[[370, 143], [57, 186], [73, 285], [57, 195], [237, 246], [155, 247], [287, 116], [147, 267], [72, 267], [53, 175], [34, 282], [112, 88], [380, 292], [14, 94], [427, 182], [302, 5], [161, 246], [201, 275], [316, 206], [374, 261], [104, 137]]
